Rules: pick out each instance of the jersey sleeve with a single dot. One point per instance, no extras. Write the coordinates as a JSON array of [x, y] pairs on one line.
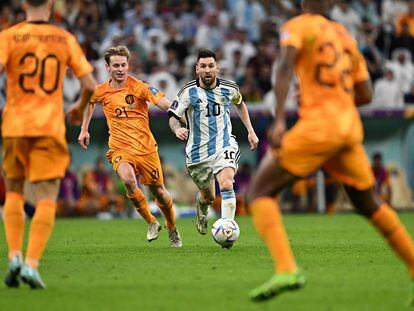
[[96, 98], [236, 98], [361, 73], [77, 60], [151, 94], [4, 48], [179, 105], [292, 35]]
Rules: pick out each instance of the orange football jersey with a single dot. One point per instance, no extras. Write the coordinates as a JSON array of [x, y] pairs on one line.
[[126, 112], [328, 64], [35, 56]]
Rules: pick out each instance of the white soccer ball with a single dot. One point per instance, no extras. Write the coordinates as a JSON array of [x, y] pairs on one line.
[[225, 232]]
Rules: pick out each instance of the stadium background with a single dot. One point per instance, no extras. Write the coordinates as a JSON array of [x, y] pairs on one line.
[[164, 37]]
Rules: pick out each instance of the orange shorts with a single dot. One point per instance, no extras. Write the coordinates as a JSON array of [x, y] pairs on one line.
[[310, 145], [147, 166], [34, 158]]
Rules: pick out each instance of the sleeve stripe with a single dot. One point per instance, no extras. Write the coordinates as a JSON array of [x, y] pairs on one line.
[[189, 84], [172, 114], [230, 84]]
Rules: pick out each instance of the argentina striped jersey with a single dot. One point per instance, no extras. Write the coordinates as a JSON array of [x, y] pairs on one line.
[[208, 117]]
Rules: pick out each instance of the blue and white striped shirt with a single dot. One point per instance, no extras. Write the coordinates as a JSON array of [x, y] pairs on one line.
[[208, 117]]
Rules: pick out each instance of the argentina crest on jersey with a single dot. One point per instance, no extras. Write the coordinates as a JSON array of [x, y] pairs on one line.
[[208, 116]]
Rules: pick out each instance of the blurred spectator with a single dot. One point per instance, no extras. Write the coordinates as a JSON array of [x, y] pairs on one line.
[[391, 9], [406, 19], [208, 33], [367, 10], [164, 81], [382, 183], [248, 86], [98, 193], [155, 46], [387, 92], [71, 87], [240, 43], [68, 195], [403, 69], [249, 14], [403, 40], [372, 54], [347, 16]]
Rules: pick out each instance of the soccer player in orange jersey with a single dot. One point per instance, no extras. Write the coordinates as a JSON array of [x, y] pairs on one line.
[[34, 54], [132, 147], [333, 80]]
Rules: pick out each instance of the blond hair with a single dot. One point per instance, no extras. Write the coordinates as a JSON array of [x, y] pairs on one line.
[[119, 50]]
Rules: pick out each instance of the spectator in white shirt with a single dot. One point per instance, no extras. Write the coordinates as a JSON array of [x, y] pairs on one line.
[[387, 92], [402, 68], [347, 16]]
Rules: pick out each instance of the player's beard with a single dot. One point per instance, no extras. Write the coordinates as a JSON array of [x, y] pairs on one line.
[[210, 81]]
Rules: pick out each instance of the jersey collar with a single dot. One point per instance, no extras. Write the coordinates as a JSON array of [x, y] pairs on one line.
[[217, 84]]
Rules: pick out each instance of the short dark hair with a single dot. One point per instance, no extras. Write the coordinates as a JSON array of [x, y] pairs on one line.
[[119, 50], [377, 156], [205, 53], [36, 3]]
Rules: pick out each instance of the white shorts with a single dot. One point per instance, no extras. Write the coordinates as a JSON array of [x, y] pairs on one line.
[[205, 171]]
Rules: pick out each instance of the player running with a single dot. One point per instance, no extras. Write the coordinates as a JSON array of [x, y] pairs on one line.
[[212, 151], [34, 54], [333, 80], [132, 147]]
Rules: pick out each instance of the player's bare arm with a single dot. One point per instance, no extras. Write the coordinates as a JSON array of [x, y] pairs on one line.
[[284, 74], [76, 111], [363, 92], [179, 131], [84, 136], [163, 104], [243, 114]]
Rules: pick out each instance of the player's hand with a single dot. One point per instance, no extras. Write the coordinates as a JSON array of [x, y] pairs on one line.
[[253, 140], [182, 133], [74, 114], [83, 139], [277, 130]]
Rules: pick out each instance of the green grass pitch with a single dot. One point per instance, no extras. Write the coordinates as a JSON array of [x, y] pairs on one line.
[[108, 265]]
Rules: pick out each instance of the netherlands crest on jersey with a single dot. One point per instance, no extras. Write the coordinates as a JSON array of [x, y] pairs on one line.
[[129, 99]]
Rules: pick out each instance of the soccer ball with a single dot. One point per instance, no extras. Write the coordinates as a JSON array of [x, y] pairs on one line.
[[225, 232]]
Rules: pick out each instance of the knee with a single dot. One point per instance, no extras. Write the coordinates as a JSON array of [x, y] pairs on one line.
[[130, 183], [161, 194], [227, 184]]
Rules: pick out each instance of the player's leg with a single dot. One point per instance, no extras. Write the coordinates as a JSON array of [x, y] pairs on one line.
[[152, 176], [305, 147], [14, 163], [41, 228], [353, 169], [165, 202], [225, 179], [268, 181], [13, 214], [205, 198], [127, 174], [202, 176]]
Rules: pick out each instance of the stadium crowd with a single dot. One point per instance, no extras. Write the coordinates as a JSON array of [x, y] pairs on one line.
[[165, 35]]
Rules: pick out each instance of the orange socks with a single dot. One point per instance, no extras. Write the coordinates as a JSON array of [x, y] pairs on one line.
[[268, 222], [40, 231], [14, 223], [168, 212], [388, 223], [141, 205]]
